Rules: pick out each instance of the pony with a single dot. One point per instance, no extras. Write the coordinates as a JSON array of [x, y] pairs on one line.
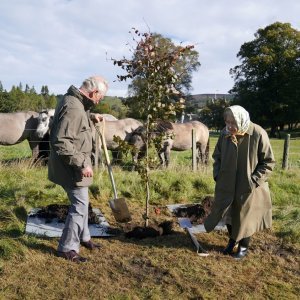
[[174, 136], [19, 126]]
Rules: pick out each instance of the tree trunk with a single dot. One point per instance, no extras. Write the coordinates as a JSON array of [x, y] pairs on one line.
[[273, 131]]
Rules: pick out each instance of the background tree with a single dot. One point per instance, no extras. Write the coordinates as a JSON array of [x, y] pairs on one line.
[[32, 90], [212, 114], [46, 100], [45, 90], [27, 88], [267, 83], [51, 101], [182, 68], [5, 104], [17, 99], [157, 72], [113, 106]]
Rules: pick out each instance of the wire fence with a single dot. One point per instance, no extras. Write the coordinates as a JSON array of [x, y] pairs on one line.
[[287, 156]]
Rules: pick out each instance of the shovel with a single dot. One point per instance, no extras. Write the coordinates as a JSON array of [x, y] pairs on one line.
[[117, 205], [186, 224]]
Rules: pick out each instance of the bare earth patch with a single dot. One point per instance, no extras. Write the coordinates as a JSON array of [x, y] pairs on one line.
[[60, 211]]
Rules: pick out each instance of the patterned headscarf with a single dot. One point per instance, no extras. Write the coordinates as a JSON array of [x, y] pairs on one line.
[[242, 119]]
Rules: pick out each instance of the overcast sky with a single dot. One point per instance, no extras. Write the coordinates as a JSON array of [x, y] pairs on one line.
[[61, 42]]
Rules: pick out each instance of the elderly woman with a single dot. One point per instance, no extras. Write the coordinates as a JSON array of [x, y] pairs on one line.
[[243, 161]]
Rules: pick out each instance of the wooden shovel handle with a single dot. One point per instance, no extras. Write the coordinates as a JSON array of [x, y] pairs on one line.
[[102, 137]]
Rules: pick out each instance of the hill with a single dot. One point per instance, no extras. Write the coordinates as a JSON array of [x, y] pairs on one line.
[[199, 100]]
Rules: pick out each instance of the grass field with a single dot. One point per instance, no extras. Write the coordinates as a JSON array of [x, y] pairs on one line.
[[165, 267]]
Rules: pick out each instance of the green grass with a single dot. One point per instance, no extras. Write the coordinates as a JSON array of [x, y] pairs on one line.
[[165, 267], [19, 151]]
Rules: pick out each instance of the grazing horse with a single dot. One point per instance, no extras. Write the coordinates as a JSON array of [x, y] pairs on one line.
[[45, 120], [44, 125], [109, 117], [175, 136], [19, 126], [122, 129]]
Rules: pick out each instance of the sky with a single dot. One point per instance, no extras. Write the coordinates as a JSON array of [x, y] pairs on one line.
[[61, 42]]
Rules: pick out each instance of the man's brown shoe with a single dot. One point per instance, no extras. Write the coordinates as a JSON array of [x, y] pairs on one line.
[[90, 245], [72, 256]]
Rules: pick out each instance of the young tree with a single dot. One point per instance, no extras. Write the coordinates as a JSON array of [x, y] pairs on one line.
[[179, 68], [267, 82], [157, 72]]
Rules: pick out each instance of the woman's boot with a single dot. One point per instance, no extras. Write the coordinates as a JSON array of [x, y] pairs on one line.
[[242, 249], [228, 250]]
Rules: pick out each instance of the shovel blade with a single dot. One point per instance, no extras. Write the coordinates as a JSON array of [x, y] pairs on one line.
[[200, 250], [120, 210], [185, 223]]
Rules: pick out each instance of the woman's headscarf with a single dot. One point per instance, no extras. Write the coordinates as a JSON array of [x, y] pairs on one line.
[[241, 117]]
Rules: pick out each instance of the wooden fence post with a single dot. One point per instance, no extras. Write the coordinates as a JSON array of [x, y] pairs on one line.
[[194, 151], [286, 149]]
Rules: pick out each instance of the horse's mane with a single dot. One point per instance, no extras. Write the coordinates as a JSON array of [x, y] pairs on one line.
[[163, 125]]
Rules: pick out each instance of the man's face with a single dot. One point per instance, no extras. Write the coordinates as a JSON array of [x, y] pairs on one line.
[[231, 125], [96, 96]]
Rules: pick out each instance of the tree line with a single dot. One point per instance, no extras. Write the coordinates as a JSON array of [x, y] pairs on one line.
[[22, 99]]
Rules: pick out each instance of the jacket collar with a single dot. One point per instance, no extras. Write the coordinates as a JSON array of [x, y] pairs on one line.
[[87, 103], [250, 129]]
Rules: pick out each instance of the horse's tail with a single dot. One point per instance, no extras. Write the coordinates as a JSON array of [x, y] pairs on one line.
[[207, 152]]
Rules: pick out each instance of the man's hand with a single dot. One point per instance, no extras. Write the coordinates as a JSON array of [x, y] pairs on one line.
[[87, 172], [96, 118]]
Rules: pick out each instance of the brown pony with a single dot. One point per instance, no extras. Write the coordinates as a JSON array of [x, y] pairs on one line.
[[176, 136], [121, 129]]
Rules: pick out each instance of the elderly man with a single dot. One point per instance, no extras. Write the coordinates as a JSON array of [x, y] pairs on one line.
[[70, 161]]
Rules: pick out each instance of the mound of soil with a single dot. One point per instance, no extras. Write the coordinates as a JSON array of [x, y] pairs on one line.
[[196, 212], [140, 232], [60, 212]]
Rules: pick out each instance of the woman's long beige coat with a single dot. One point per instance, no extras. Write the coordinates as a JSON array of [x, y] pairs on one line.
[[241, 174]]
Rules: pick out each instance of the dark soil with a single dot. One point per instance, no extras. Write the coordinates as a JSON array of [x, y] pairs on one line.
[[140, 232], [196, 212], [60, 212]]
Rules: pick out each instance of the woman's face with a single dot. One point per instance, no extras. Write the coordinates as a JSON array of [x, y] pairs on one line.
[[231, 125]]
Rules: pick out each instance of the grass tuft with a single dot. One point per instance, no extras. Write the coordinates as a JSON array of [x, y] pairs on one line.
[[10, 248]]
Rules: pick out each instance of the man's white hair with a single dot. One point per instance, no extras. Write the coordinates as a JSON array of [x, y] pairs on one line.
[[95, 83]]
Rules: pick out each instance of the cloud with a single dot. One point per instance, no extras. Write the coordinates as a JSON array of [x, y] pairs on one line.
[[58, 43]]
